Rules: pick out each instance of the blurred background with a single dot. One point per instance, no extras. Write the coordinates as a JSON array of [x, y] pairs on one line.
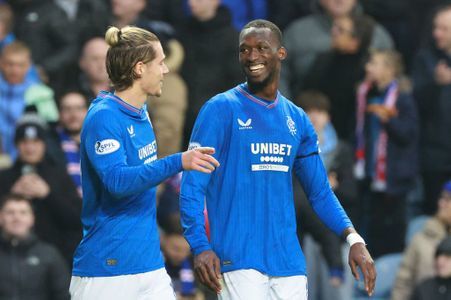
[[374, 76]]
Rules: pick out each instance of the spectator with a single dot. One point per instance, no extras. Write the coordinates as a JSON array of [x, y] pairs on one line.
[[93, 77], [7, 36], [336, 72], [386, 150], [127, 12], [418, 258], [73, 107], [432, 91], [169, 11], [29, 268], [88, 18], [205, 71], [45, 28], [52, 192], [307, 37], [438, 287], [178, 261], [395, 16], [15, 62], [244, 11], [327, 281], [6, 25]]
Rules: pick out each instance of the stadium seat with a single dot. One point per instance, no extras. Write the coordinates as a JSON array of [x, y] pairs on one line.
[[414, 226]]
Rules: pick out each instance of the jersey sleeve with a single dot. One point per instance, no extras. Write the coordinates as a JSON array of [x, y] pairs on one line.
[[106, 153], [208, 131], [312, 175]]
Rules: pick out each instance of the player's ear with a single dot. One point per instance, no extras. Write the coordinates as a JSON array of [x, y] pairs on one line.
[[139, 68], [282, 53]]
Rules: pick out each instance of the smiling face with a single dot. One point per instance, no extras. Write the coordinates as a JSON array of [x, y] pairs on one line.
[[260, 55]]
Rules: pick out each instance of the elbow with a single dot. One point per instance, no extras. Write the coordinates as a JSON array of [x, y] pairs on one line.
[[115, 187]]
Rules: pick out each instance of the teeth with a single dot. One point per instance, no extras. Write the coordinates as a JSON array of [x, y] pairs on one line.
[[256, 67]]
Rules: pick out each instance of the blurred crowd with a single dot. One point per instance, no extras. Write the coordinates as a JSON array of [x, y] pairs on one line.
[[374, 76]]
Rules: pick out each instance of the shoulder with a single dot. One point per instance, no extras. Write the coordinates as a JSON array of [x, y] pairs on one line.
[[102, 113], [224, 101]]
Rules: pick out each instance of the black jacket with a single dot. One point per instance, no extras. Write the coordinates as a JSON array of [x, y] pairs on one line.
[[32, 270], [433, 288], [57, 215], [435, 108], [211, 59]]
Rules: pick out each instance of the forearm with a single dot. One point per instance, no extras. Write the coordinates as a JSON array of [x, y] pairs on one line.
[[122, 181], [192, 213], [312, 175]]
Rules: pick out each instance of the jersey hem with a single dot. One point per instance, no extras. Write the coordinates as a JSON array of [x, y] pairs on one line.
[[266, 272], [79, 273]]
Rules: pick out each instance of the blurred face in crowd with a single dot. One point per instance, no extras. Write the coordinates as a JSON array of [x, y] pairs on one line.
[[152, 73], [127, 8], [442, 30], [176, 248], [15, 65], [16, 219], [319, 119], [73, 109], [443, 266], [338, 8], [92, 61], [31, 151], [378, 70], [342, 36], [203, 10], [444, 207], [260, 55]]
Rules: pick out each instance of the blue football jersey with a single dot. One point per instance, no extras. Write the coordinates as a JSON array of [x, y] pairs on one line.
[[249, 197], [120, 171]]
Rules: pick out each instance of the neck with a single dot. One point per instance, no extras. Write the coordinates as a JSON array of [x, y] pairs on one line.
[[133, 96], [266, 89]]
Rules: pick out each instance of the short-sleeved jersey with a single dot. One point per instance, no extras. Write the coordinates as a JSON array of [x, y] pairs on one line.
[[120, 171], [249, 197]]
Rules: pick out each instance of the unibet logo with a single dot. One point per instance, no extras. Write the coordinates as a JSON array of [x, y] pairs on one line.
[[271, 148], [106, 146]]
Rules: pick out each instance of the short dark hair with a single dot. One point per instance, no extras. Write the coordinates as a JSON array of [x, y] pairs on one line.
[[71, 91], [260, 23], [13, 198], [313, 99]]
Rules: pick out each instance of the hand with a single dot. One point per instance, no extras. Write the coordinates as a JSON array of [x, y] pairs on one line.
[[442, 73], [31, 186], [208, 270], [200, 159], [382, 112], [359, 256], [333, 180]]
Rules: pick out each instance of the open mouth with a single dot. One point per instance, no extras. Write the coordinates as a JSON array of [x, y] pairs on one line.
[[257, 68]]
